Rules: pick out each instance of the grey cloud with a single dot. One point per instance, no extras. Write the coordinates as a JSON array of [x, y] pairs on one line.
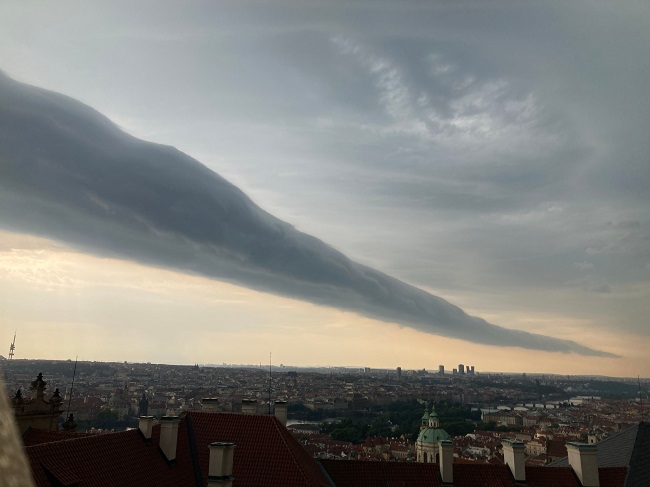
[[68, 173], [583, 266]]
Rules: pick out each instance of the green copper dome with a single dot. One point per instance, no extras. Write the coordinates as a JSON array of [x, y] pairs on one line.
[[433, 435]]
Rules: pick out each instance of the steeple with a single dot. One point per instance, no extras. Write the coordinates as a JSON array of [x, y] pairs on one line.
[[425, 418], [37, 412], [39, 385], [143, 408], [434, 422], [70, 424]]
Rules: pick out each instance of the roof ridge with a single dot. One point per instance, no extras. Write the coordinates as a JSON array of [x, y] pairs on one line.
[[196, 467], [286, 444], [283, 431], [88, 437]]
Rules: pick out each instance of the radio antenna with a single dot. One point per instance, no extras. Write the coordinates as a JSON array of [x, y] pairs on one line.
[[638, 380], [270, 382], [12, 347], [74, 373]]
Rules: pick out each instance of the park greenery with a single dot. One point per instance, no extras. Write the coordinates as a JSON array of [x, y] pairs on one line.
[[402, 419]]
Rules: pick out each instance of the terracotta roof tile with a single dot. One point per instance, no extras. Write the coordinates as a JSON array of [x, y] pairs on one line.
[[613, 476], [266, 453], [480, 474], [358, 473], [37, 436], [109, 459]]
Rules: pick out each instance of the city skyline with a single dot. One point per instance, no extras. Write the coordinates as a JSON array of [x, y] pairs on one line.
[[476, 158]]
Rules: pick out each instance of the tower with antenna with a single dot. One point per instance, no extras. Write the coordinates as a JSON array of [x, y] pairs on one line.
[[12, 347]]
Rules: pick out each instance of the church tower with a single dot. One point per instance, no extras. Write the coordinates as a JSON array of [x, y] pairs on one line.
[[143, 406], [427, 445]]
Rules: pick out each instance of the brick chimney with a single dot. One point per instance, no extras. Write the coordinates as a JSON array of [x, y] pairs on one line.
[[145, 425], [583, 459], [446, 461], [220, 467], [514, 454], [209, 404], [248, 406], [169, 436], [280, 411]]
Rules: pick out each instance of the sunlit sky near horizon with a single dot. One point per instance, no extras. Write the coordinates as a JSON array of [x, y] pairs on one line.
[[495, 154]]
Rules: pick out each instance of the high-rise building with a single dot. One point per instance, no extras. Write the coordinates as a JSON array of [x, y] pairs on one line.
[[399, 373], [441, 369], [461, 369]]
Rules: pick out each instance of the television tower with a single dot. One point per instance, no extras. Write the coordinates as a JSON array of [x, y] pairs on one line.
[[12, 347]]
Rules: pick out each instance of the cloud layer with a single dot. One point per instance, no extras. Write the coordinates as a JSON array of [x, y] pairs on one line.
[[69, 173]]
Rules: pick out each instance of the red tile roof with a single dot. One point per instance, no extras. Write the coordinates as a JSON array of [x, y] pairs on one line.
[[376, 474], [565, 477], [266, 454], [36, 436], [110, 459], [613, 476], [480, 474], [357, 473]]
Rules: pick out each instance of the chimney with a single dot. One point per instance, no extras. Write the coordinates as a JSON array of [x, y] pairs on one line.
[[248, 406], [220, 467], [446, 462], [209, 404], [145, 424], [280, 411], [169, 436], [514, 455], [583, 459]]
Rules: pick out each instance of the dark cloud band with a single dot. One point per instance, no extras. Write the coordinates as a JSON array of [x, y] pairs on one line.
[[68, 173]]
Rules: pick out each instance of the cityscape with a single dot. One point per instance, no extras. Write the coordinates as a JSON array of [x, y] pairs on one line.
[[341, 413]]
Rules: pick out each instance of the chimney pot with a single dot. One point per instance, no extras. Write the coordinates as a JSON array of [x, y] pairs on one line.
[[514, 454], [220, 467], [169, 436], [249, 406], [583, 458], [209, 404], [446, 456], [145, 425]]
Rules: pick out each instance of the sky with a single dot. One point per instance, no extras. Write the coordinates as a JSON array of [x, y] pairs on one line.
[[494, 154]]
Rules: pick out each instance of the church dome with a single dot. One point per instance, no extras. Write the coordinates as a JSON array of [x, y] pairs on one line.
[[433, 435]]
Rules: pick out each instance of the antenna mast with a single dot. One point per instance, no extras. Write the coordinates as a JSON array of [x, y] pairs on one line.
[[638, 380], [74, 372], [12, 347]]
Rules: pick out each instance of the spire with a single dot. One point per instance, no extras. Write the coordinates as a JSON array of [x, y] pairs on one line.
[[55, 400], [434, 422], [39, 385], [70, 424], [143, 408], [425, 417]]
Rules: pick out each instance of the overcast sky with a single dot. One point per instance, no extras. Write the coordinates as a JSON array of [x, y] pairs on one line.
[[496, 154]]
